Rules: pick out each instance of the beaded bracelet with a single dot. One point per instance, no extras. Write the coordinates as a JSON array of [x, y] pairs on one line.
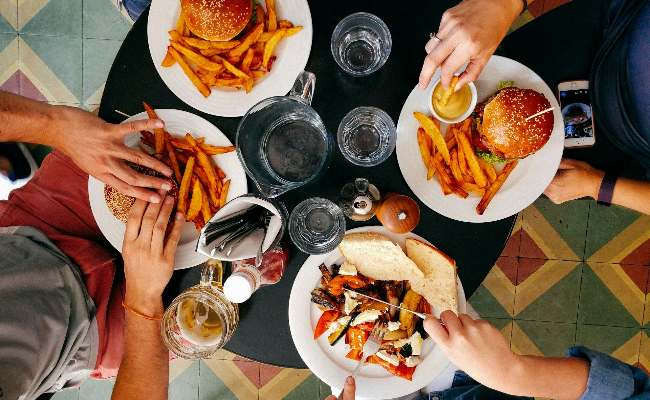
[[139, 314]]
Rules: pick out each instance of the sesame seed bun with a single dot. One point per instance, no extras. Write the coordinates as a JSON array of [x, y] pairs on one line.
[[120, 204], [217, 20], [504, 130]]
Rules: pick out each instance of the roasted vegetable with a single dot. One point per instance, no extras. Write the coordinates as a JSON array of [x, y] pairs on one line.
[[319, 296], [373, 305], [395, 335], [335, 336], [324, 322], [335, 287], [410, 302], [406, 350], [327, 275], [401, 370], [392, 297]]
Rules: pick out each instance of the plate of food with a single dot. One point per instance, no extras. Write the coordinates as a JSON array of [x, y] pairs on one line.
[[224, 56], [207, 174], [492, 164], [329, 323]]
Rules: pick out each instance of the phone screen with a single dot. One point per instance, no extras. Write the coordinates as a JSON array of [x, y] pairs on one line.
[[576, 111]]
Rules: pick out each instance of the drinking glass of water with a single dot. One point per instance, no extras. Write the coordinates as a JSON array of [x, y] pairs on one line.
[[361, 43], [366, 136], [316, 226]]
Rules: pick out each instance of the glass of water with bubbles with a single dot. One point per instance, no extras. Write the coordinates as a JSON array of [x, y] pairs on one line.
[[361, 43]]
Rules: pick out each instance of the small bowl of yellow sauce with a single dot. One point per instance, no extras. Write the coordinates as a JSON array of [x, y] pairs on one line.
[[459, 106]]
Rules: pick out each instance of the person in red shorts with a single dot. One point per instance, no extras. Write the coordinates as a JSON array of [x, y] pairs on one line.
[[61, 285]]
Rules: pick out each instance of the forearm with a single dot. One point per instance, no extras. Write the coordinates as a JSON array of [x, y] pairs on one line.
[[144, 371], [26, 120], [632, 194], [557, 378]]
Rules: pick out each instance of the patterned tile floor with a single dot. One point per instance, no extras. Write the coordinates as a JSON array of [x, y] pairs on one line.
[[574, 273]]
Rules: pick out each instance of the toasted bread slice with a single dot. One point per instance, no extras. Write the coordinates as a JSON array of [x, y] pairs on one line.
[[377, 257], [438, 285]]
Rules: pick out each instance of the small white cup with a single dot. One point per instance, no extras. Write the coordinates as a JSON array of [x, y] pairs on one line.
[[470, 109]]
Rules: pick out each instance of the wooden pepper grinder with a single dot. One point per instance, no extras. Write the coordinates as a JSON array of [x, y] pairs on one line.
[[398, 213]]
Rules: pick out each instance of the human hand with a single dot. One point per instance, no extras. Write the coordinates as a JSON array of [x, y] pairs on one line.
[[348, 390], [469, 32], [148, 255], [97, 147], [474, 346], [574, 179]]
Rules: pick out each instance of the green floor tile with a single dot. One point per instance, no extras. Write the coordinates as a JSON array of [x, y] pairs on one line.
[[307, 390], [552, 339], [55, 18], [186, 385], [102, 20], [487, 305], [568, 219], [62, 55], [324, 389], [67, 394], [558, 304], [98, 56], [604, 224], [5, 39], [612, 340], [211, 387], [498, 323], [94, 389], [598, 305]]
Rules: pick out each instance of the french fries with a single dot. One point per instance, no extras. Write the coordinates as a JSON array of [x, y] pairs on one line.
[[159, 134], [202, 87], [272, 18], [185, 185], [447, 92], [494, 187], [235, 64], [203, 186], [436, 137], [460, 171]]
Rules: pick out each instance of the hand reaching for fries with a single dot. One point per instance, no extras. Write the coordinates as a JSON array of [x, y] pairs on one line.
[[97, 147], [469, 32]]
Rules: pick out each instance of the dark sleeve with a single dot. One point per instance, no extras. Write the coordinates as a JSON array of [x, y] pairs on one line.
[[610, 378]]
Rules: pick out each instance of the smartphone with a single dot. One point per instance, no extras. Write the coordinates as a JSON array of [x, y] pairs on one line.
[[577, 113]]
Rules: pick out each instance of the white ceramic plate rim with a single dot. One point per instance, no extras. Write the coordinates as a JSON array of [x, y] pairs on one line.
[[177, 122], [524, 185], [372, 381], [292, 55]]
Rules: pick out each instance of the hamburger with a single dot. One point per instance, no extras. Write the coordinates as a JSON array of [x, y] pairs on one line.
[[120, 204], [501, 131], [217, 20]]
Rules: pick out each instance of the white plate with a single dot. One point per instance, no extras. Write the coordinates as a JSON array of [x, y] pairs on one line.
[[292, 54], [329, 363], [525, 184], [177, 123]]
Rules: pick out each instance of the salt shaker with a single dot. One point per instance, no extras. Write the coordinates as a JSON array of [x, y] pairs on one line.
[[359, 199], [246, 278]]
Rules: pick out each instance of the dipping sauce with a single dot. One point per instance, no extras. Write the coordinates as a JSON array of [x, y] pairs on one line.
[[458, 103]]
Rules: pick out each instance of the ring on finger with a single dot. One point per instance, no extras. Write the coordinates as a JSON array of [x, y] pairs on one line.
[[434, 35]]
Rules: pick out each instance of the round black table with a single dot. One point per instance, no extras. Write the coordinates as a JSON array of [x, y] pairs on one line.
[[263, 334]]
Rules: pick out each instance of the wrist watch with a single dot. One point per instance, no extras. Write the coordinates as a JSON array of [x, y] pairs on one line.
[[606, 191]]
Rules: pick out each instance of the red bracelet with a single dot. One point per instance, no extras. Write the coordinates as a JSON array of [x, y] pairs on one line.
[[139, 314]]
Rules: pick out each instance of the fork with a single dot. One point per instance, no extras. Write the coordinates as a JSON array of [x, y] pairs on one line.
[[370, 348]]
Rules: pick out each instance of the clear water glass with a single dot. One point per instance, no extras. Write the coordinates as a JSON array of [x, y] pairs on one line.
[[317, 226], [366, 136], [361, 43]]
